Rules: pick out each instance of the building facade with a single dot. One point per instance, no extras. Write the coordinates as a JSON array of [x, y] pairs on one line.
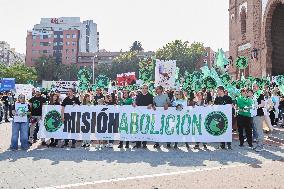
[[63, 38], [257, 32], [8, 55], [207, 59]]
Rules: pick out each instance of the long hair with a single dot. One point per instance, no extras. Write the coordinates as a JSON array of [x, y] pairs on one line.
[[51, 102], [85, 99]]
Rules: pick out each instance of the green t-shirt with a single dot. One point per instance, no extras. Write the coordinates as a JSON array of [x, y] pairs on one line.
[[128, 101], [244, 105]]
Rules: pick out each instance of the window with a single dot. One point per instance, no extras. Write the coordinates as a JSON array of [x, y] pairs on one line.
[[55, 36], [67, 50], [45, 36], [73, 43], [67, 36], [206, 54], [34, 51], [44, 51], [61, 43], [34, 36], [61, 36], [74, 36], [44, 44], [67, 58], [41, 36], [55, 44], [59, 51], [67, 43], [243, 16], [34, 44], [73, 50]]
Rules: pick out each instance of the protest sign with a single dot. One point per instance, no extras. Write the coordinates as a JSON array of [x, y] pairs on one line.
[[25, 89], [165, 73], [126, 123]]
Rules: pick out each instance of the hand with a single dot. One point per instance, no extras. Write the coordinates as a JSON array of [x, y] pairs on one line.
[[134, 105], [166, 107], [62, 118], [150, 106]]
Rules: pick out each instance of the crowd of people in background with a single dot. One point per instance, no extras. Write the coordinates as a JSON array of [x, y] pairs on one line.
[[253, 108]]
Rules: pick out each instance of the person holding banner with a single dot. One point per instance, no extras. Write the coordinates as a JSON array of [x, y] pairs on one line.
[[161, 100], [54, 100], [179, 101], [20, 124], [36, 104], [244, 104], [125, 100], [223, 99], [99, 95], [143, 99], [86, 101], [69, 100]]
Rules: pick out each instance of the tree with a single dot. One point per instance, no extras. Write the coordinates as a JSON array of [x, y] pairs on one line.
[[186, 55], [19, 71], [136, 46], [49, 70]]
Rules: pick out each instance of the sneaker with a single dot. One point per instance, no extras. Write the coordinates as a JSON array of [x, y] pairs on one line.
[[156, 146], [127, 146], [205, 147], [175, 146], [241, 145], [169, 146], [43, 143], [7, 121], [83, 145], [120, 146], [136, 146], [109, 145], [87, 145], [144, 146], [97, 146], [229, 147], [222, 146]]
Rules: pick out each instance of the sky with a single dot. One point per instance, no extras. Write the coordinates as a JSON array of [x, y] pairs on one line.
[[121, 22]]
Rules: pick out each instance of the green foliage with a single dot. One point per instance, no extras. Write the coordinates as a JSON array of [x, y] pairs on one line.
[[136, 46], [49, 70], [19, 71], [187, 56]]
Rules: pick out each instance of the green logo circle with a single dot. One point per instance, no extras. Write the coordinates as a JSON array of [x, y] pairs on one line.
[[216, 123], [36, 104], [52, 121]]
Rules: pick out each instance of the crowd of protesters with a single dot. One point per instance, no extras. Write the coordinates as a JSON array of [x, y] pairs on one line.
[[253, 108]]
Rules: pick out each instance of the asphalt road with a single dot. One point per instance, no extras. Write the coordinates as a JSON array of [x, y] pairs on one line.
[[43, 167]]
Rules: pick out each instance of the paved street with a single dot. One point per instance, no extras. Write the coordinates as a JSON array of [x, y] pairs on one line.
[[151, 169]]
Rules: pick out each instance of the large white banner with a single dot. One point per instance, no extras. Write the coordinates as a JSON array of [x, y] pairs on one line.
[[60, 86], [165, 73], [198, 124]]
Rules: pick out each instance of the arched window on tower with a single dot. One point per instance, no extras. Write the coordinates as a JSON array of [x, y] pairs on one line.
[[243, 16]]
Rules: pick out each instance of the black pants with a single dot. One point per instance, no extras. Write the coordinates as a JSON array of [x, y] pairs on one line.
[[272, 117], [244, 123], [126, 143], [138, 143], [66, 141], [6, 109]]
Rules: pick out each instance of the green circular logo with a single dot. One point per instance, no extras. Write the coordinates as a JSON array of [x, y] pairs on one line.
[[216, 123], [36, 104], [52, 121]]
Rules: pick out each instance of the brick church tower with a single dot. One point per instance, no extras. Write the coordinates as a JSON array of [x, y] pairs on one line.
[[245, 35]]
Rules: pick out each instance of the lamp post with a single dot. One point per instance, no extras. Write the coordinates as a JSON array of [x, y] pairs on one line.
[[94, 68]]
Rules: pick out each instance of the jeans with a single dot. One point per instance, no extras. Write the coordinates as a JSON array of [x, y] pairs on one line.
[[23, 128], [257, 125]]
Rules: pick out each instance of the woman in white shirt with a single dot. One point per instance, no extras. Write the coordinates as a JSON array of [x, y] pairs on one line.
[[20, 124]]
